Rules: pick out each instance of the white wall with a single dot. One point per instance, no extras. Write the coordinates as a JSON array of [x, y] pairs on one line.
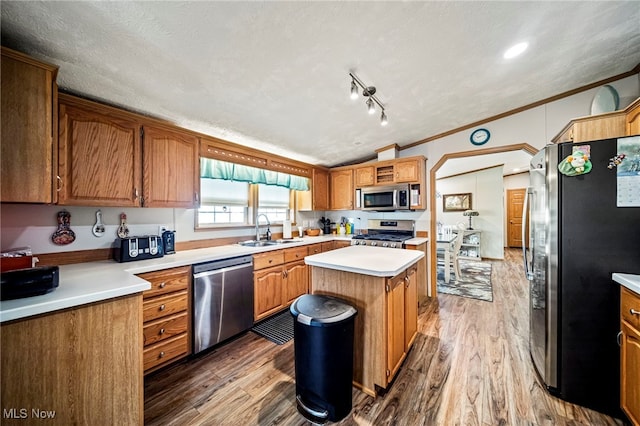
[[486, 198], [33, 224]]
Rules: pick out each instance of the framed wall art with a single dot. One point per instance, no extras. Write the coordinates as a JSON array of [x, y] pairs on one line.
[[456, 202]]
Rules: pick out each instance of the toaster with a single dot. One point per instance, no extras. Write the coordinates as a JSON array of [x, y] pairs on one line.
[[138, 248]]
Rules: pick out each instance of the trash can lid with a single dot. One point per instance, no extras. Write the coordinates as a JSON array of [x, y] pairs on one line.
[[318, 309]]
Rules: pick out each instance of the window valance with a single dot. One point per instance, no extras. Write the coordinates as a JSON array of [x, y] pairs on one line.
[[216, 169]]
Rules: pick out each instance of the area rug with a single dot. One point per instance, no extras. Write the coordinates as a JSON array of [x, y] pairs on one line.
[[278, 328], [475, 281]]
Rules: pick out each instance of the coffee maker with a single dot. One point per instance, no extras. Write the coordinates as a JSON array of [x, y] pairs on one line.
[[169, 242]]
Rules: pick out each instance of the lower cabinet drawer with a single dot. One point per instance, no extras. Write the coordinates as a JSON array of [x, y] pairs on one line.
[[164, 328], [164, 351], [158, 307], [630, 307]]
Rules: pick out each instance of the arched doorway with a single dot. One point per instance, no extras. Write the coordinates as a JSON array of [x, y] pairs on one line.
[[432, 196]]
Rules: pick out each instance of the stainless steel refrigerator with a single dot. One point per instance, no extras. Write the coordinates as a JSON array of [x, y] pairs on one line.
[[578, 236]]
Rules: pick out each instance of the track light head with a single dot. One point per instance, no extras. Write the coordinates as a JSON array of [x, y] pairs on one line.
[[354, 89], [370, 106], [383, 119]]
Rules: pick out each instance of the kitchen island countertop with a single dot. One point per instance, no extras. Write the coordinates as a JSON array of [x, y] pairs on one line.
[[366, 260], [630, 281]]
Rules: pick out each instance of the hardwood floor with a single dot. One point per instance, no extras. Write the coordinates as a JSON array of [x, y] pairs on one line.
[[470, 365]]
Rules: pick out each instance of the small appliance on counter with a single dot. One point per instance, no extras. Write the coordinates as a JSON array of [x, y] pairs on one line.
[[28, 282], [16, 258], [169, 242], [138, 248]]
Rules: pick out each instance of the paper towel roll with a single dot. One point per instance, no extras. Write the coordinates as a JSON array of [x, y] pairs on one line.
[[286, 229]]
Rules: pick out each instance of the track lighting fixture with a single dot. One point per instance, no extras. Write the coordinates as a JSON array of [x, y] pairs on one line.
[[369, 93]]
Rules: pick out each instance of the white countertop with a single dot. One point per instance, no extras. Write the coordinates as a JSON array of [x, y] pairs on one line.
[[416, 241], [630, 281], [90, 282], [366, 260]]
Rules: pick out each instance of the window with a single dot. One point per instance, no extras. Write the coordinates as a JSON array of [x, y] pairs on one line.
[[273, 201], [226, 202], [223, 202]]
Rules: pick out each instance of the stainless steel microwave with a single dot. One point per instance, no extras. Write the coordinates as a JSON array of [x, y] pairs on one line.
[[381, 198]]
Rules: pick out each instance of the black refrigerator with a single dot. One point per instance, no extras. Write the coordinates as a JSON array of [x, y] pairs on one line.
[[582, 226]]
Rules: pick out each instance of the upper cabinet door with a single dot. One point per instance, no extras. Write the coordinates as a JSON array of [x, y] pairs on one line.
[[171, 168], [407, 171], [341, 189], [99, 155], [28, 119]]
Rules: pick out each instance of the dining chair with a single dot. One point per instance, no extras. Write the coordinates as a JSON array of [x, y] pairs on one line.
[[454, 255]]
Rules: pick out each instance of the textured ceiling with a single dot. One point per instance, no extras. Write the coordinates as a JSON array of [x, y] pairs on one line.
[[274, 75]]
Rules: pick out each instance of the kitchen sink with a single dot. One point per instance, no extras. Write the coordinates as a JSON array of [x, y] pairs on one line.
[[262, 243]]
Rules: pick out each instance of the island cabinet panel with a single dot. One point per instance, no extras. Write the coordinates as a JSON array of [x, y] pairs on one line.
[[411, 306], [83, 365], [630, 355], [166, 317], [386, 323], [28, 123], [99, 155], [396, 350], [171, 168]]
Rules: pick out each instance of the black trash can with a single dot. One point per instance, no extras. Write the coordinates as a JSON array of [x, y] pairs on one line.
[[323, 343]]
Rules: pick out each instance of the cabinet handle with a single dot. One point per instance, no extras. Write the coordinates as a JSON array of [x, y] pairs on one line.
[[161, 354], [161, 331], [270, 260], [162, 285], [618, 337], [634, 312], [59, 179], [162, 307], [135, 193]]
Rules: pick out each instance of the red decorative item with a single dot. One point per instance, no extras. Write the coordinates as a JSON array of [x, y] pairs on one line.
[[63, 235]]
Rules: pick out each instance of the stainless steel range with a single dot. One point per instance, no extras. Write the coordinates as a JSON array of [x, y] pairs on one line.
[[385, 233]]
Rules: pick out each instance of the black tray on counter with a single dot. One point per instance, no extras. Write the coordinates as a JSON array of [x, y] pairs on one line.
[[28, 282]]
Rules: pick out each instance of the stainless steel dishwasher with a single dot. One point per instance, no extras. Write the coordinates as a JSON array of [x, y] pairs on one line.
[[222, 300]]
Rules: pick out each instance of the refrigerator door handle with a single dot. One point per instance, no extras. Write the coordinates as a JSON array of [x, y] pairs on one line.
[[525, 210]]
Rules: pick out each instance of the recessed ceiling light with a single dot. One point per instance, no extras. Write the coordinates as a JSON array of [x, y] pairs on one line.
[[516, 50]]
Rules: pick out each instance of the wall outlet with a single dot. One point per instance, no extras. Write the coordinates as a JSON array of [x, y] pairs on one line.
[[162, 228]]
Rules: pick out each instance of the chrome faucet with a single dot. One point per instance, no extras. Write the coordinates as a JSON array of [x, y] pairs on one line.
[[258, 227]]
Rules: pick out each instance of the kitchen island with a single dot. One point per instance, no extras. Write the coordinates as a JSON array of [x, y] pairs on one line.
[[381, 283]]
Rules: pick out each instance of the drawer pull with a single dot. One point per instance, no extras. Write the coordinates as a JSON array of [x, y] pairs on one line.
[[161, 354], [161, 331], [270, 260], [634, 312], [161, 307], [162, 285]]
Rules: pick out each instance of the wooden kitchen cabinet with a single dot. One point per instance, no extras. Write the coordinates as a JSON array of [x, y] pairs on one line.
[[279, 277], [166, 317], [171, 168], [594, 127], [341, 189], [29, 123], [633, 118], [630, 355], [317, 198], [395, 323], [402, 317], [100, 155], [83, 363], [407, 170], [364, 176], [386, 324]]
